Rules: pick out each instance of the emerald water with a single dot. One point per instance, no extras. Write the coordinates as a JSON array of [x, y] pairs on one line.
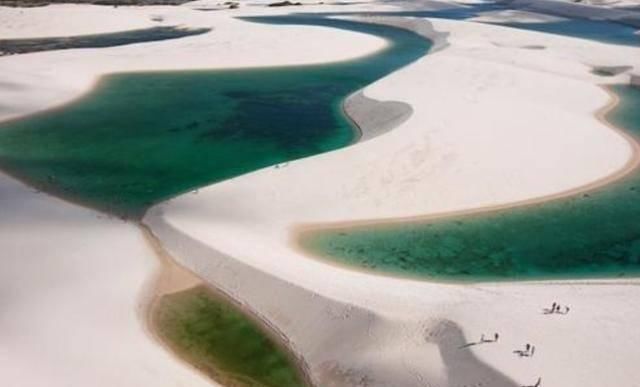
[[140, 138], [219, 340], [594, 234]]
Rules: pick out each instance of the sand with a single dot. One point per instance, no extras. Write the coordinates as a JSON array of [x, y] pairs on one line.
[[493, 123], [70, 20], [72, 287], [76, 284], [485, 108]]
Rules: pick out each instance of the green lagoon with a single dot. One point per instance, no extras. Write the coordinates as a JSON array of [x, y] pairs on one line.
[[593, 234], [218, 339], [141, 138]]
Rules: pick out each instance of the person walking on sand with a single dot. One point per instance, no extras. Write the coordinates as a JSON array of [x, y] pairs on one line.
[[495, 338]]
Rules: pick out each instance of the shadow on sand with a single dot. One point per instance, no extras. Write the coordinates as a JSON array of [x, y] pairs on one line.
[[463, 368]]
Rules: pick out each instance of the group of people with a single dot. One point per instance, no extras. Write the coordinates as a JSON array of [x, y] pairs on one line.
[[483, 340], [529, 350], [556, 309]]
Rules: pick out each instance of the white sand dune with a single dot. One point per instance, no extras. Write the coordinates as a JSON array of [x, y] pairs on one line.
[[69, 20], [71, 293], [494, 122]]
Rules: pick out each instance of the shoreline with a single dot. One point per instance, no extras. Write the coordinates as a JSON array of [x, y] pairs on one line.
[[172, 278], [300, 231], [100, 78]]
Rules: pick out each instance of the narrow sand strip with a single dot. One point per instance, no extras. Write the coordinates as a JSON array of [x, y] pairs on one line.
[[173, 278], [374, 118]]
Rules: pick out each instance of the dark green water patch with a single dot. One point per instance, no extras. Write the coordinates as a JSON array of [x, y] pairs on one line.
[[23, 46], [219, 340], [141, 138], [593, 234]]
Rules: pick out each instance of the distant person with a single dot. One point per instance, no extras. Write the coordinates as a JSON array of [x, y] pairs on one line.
[[537, 383]]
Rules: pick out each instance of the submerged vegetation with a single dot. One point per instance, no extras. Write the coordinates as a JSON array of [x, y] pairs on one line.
[[214, 336]]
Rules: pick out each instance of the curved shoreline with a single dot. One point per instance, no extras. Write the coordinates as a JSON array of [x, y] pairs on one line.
[[371, 117], [301, 231], [171, 278], [153, 63]]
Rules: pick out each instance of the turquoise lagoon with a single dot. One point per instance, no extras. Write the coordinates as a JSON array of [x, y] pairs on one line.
[[592, 234], [141, 138]]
